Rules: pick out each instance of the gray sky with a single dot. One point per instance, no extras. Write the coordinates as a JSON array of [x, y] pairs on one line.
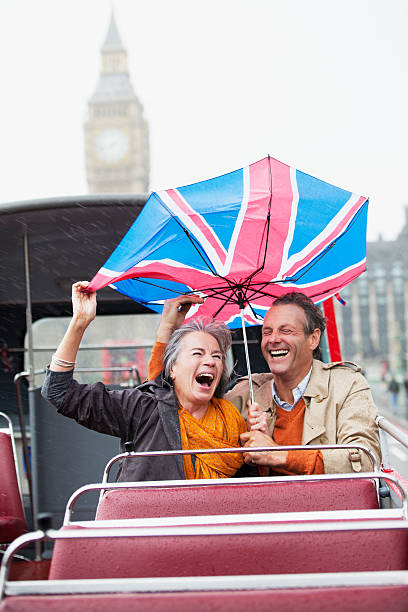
[[319, 84]]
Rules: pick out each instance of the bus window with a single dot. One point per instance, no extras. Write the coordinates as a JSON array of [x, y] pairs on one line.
[[112, 346]]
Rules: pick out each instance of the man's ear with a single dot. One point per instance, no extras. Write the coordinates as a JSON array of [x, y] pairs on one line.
[[314, 338]]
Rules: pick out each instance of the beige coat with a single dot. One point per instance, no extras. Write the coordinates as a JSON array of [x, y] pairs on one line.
[[339, 410]]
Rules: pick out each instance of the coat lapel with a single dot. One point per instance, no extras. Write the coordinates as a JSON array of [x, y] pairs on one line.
[[315, 400]]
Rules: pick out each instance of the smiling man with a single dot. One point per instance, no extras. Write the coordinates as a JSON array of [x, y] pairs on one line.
[[301, 400]]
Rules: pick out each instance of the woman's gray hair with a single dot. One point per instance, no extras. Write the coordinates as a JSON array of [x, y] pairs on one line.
[[217, 330]]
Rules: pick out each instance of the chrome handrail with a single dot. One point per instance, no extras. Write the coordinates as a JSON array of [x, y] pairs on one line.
[[240, 449], [392, 430], [176, 584]]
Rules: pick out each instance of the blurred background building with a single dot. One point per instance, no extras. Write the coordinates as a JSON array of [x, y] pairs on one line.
[[373, 326], [116, 132]]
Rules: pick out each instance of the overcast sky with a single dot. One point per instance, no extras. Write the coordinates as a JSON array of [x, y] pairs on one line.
[[319, 84]]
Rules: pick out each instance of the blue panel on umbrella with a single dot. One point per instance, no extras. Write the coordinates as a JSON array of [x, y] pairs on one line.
[[319, 203], [218, 200], [153, 236], [348, 250]]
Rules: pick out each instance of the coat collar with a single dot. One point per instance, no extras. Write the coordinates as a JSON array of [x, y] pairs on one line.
[[318, 386]]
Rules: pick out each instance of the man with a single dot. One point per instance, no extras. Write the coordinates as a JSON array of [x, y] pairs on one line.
[[301, 400]]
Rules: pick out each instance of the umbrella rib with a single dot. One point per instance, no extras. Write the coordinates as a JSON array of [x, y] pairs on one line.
[[145, 282]]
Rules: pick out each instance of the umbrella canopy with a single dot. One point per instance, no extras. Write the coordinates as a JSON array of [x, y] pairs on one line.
[[241, 240]]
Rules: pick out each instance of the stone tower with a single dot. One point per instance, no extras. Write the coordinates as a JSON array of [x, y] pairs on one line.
[[116, 133]]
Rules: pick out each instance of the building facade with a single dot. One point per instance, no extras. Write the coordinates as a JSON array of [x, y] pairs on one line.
[[373, 326], [116, 132]]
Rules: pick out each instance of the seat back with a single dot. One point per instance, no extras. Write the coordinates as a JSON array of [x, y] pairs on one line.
[[12, 518], [229, 550], [238, 499]]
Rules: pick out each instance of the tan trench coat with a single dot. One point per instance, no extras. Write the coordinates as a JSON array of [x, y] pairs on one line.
[[339, 410]]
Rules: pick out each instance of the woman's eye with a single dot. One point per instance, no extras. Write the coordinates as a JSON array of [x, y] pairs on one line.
[[217, 356]]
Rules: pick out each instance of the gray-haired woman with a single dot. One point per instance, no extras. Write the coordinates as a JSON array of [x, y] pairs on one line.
[[182, 409]]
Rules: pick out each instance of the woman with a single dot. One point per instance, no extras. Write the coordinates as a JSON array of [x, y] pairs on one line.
[[180, 409]]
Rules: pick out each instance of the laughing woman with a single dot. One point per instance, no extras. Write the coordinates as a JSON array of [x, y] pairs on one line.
[[181, 409]]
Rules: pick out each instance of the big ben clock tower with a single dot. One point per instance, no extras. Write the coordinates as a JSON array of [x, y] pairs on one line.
[[116, 133]]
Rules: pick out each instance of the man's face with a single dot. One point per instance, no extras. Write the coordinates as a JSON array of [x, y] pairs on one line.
[[286, 348]]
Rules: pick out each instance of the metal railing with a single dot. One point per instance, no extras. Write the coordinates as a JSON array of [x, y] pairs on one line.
[[392, 430], [206, 451]]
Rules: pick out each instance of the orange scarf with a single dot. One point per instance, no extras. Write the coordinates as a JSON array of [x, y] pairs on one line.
[[220, 427]]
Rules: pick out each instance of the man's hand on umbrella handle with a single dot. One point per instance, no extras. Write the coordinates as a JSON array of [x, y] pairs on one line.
[[257, 420], [268, 458], [173, 315]]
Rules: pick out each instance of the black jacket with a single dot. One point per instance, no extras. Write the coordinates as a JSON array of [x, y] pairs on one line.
[[146, 415]]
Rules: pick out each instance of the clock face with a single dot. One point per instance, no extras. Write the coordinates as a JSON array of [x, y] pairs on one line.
[[111, 145]]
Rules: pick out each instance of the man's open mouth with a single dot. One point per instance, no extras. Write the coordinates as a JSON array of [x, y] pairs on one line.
[[205, 379], [276, 353]]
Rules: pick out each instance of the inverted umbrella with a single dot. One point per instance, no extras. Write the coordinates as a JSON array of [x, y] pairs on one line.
[[241, 240]]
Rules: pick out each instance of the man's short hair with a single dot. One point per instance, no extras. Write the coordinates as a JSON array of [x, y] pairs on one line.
[[313, 314]]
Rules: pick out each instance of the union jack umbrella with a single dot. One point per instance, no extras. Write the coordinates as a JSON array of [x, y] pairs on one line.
[[241, 240]]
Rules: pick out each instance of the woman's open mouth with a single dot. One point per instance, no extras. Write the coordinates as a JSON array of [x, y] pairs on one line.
[[205, 379]]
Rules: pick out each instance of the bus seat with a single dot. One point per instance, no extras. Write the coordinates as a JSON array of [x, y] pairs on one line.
[[238, 499], [12, 519]]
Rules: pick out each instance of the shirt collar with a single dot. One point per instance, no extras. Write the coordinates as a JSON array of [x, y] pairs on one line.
[[298, 392]]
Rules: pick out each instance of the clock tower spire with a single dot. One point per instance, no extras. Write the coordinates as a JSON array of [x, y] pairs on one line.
[[116, 133]]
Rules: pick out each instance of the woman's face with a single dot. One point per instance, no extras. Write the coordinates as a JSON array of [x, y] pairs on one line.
[[197, 371]]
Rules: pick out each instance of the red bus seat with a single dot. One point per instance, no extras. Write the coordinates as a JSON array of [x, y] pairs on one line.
[[280, 552], [238, 499], [12, 519]]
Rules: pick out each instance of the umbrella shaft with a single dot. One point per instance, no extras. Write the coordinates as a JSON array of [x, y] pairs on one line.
[[251, 390]]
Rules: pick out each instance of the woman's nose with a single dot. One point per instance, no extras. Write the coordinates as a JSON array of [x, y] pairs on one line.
[[209, 359]]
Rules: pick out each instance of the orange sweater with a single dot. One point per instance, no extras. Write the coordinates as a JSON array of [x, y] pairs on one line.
[[287, 432], [288, 428]]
